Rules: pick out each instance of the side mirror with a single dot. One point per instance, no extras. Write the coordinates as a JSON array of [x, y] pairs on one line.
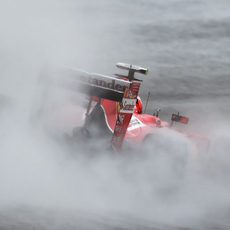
[[156, 112], [179, 118]]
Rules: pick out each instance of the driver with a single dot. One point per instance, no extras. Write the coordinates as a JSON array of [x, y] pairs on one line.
[[139, 105]]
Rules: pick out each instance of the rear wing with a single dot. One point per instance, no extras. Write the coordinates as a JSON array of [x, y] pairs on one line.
[[123, 89], [93, 84], [127, 106], [132, 69]]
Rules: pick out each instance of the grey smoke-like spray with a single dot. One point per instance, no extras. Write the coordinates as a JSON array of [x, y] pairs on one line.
[[39, 173]]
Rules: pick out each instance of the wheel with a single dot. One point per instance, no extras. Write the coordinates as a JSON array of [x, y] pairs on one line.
[[80, 133], [169, 153]]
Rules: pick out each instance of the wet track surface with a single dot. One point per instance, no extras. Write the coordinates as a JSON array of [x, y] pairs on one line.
[[186, 46]]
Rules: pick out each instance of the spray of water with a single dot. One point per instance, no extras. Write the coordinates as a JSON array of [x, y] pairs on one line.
[[39, 171]]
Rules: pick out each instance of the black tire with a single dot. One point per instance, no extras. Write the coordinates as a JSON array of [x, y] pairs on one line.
[[174, 151], [80, 133]]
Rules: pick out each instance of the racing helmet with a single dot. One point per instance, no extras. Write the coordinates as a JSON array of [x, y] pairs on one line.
[[139, 105]]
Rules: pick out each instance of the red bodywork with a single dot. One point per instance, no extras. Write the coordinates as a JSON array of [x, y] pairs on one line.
[[143, 125], [139, 126]]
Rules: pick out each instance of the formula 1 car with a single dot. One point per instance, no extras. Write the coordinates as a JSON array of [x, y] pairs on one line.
[[114, 107]]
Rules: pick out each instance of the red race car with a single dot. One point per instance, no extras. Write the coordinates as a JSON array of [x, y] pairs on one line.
[[114, 107]]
